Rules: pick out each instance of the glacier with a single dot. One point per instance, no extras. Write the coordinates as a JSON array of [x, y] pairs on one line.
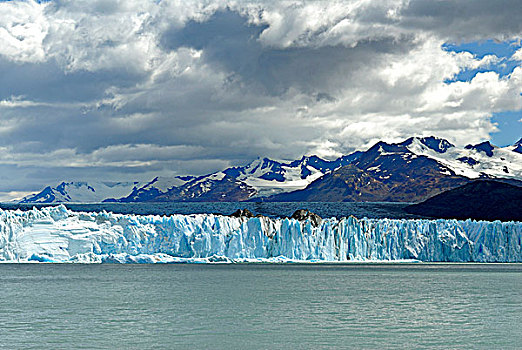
[[59, 235]]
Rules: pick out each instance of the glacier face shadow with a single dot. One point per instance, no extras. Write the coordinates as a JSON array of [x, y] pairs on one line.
[[56, 234]]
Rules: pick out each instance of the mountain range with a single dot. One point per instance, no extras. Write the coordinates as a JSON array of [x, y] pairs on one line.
[[409, 171]]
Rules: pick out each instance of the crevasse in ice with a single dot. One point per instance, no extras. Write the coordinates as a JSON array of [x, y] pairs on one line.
[[56, 234]]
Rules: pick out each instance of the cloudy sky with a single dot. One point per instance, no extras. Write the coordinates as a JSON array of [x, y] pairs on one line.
[[131, 89]]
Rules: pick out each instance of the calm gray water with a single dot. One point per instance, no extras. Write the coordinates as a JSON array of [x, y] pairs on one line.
[[276, 209], [439, 306]]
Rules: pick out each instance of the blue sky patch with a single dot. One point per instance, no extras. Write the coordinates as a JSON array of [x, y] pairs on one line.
[[510, 125], [503, 50]]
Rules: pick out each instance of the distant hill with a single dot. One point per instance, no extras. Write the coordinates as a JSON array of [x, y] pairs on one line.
[[82, 192], [479, 200]]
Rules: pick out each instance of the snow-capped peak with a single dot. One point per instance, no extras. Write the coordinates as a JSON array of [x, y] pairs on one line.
[[164, 184], [81, 192], [152, 189], [475, 161], [486, 147], [268, 176], [436, 144], [265, 176]]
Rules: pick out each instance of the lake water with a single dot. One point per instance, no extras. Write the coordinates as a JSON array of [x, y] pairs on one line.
[[373, 306], [323, 209]]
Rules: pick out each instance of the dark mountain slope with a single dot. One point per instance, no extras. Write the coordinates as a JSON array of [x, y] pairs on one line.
[[226, 189], [480, 200], [387, 173], [347, 184]]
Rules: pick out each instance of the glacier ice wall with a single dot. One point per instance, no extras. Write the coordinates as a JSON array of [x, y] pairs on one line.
[[56, 234]]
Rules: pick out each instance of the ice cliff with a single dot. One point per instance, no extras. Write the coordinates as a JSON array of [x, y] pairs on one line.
[[56, 234]]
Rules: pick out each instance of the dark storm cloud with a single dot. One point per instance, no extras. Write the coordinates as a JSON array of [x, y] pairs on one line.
[[466, 20], [47, 81], [229, 41]]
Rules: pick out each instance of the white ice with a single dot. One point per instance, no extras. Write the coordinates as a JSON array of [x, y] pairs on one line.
[[56, 234]]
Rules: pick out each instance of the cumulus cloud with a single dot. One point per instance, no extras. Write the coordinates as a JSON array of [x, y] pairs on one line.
[[23, 27], [132, 89], [517, 56]]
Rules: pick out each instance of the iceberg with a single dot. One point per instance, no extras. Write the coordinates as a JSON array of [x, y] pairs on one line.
[[59, 235]]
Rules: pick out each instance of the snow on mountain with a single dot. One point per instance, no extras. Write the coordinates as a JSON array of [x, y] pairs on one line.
[[383, 173], [434, 143], [152, 189], [517, 147], [269, 177], [473, 161], [264, 177], [56, 234], [164, 184], [409, 171], [485, 147], [81, 192], [261, 177], [218, 186]]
